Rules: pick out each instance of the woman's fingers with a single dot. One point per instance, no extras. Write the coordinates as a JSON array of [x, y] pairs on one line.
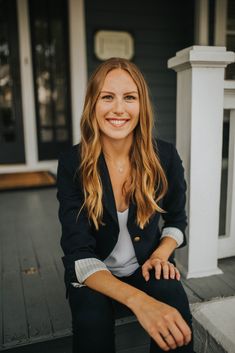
[[169, 335], [177, 274], [158, 269], [184, 329], [164, 268], [177, 334], [147, 266], [169, 339], [172, 271], [161, 342]]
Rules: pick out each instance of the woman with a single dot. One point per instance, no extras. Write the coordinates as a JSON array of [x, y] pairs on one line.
[[112, 188]]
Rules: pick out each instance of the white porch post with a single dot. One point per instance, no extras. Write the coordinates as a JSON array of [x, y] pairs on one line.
[[78, 63], [28, 104], [200, 92]]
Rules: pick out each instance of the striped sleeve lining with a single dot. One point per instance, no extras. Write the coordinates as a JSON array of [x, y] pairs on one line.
[[174, 233], [86, 267]]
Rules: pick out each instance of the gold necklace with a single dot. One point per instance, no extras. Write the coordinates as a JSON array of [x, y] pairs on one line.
[[119, 166]]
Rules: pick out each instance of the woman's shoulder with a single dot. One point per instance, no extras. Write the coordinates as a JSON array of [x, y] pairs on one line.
[[168, 155], [70, 157], [164, 149]]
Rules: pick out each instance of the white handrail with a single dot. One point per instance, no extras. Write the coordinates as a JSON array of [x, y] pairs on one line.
[[227, 243]]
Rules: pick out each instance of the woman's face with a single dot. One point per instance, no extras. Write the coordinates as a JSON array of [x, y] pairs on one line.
[[117, 108]]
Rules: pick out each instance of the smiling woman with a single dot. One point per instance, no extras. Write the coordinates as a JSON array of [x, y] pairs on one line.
[[112, 189], [117, 108]]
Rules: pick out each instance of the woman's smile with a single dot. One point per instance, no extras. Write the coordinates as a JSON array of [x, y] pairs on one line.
[[117, 122]]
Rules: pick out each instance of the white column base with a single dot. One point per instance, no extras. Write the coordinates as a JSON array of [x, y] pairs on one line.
[[197, 274]]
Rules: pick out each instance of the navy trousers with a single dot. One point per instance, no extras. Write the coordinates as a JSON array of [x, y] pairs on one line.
[[93, 314]]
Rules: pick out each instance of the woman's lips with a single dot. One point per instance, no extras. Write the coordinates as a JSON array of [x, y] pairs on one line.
[[117, 122]]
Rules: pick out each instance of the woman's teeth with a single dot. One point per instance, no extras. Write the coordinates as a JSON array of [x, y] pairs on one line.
[[117, 122]]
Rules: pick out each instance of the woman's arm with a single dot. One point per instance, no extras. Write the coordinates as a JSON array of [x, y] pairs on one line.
[[157, 318]]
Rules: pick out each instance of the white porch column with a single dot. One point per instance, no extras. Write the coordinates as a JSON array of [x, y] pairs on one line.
[[201, 35], [200, 92], [78, 63]]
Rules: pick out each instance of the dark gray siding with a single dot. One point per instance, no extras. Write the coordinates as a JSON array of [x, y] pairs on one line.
[[159, 28]]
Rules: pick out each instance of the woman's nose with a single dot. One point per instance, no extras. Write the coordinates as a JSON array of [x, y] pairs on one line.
[[118, 107]]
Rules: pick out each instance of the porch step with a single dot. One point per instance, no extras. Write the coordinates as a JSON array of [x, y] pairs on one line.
[[130, 338], [214, 326]]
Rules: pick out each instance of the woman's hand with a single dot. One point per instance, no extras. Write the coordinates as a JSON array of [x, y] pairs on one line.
[[161, 267], [159, 261], [162, 322]]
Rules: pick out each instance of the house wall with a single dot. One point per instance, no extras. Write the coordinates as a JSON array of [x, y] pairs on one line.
[[159, 29]]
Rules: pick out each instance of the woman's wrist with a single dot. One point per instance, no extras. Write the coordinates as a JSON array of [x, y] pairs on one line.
[[165, 249], [134, 301]]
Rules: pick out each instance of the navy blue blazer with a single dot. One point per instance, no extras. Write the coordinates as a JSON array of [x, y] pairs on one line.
[[81, 240]]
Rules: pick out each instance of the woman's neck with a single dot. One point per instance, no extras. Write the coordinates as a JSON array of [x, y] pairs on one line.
[[116, 149]]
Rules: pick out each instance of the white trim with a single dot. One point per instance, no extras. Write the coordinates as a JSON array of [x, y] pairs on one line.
[[201, 22], [27, 89], [220, 27], [201, 56], [78, 63]]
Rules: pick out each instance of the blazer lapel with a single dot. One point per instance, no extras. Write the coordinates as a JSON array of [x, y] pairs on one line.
[[131, 213], [108, 196]]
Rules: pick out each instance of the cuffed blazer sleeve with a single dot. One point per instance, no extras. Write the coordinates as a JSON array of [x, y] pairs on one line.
[[175, 198]]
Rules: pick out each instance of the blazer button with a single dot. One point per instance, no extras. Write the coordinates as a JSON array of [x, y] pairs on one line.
[[137, 238]]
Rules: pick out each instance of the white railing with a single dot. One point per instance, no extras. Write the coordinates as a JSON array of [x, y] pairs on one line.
[[199, 135], [227, 241]]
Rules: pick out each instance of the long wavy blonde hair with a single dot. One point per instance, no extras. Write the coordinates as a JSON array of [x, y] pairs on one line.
[[148, 182]]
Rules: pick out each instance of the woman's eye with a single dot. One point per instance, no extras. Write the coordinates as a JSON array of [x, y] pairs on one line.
[[107, 97], [129, 97]]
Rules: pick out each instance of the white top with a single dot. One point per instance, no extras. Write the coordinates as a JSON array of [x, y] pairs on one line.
[[122, 260]]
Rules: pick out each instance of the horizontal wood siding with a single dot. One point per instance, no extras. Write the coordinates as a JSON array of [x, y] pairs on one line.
[[160, 29]]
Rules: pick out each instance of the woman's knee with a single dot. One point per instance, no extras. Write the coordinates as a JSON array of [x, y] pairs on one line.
[[171, 292]]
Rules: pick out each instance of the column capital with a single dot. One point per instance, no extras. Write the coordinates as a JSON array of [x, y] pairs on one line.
[[201, 56]]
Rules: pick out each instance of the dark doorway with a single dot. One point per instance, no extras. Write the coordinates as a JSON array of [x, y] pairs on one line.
[[50, 52], [11, 127]]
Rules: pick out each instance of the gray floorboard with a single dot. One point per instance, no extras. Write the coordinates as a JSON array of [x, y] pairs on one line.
[[210, 287], [37, 311], [15, 326], [192, 297], [58, 308]]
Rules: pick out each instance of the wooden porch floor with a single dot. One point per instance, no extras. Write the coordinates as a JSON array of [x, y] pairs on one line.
[[33, 307]]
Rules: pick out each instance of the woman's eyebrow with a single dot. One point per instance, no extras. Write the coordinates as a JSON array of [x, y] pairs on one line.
[[131, 92]]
